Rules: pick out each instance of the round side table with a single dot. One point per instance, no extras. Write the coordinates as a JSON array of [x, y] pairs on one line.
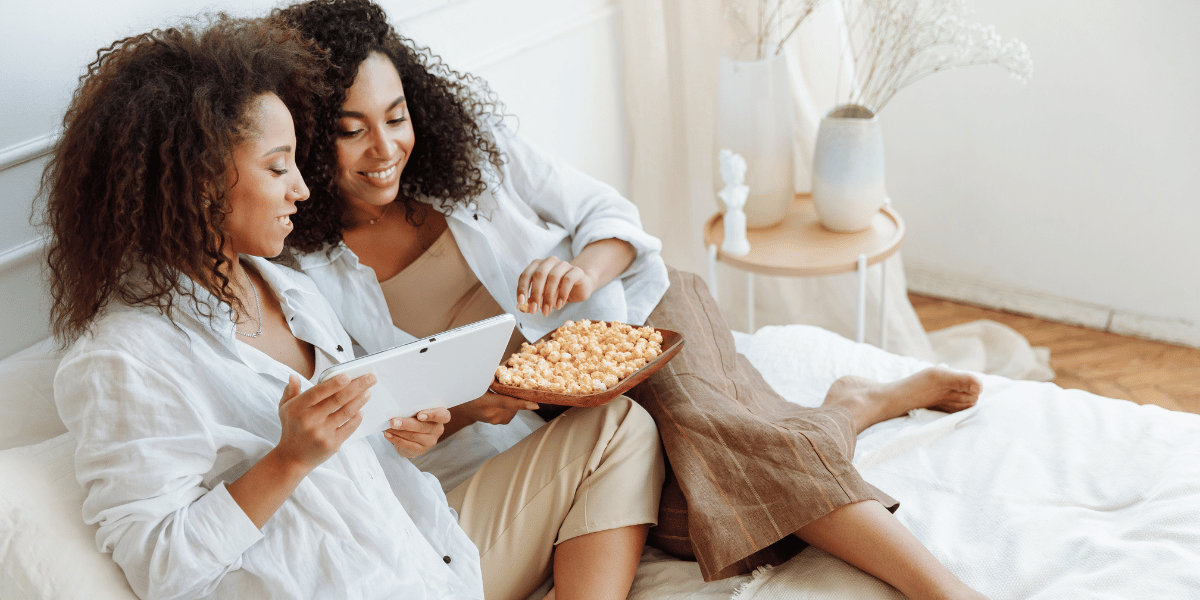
[[801, 247]]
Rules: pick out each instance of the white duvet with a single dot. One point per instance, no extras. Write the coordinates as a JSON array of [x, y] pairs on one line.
[[1037, 492]]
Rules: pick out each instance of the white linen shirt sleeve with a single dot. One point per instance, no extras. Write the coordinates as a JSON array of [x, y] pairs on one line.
[[173, 537], [588, 209]]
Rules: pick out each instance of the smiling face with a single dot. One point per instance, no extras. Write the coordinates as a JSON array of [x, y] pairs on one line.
[[266, 185], [375, 137]]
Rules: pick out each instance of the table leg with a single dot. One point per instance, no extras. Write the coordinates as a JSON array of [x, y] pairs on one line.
[[750, 302], [712, 270], [862, 298], [883, 305]]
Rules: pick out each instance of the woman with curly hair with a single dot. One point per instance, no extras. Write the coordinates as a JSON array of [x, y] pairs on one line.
[[174, 181], [487, 224]]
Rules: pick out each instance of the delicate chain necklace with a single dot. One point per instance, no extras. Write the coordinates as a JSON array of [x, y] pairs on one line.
[[257, 308], [385, 209]]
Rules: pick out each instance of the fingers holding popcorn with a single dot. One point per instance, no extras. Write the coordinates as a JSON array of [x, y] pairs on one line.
[[533, 281], [576, 285], [550, 283]]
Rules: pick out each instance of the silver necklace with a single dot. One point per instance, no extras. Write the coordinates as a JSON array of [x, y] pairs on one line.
[[257, 309]]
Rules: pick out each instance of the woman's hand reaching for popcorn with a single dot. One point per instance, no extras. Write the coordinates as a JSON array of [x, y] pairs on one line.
[[551, 284], [548, 284]]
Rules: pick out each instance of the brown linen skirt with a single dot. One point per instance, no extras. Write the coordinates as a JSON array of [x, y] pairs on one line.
[[747, 468]]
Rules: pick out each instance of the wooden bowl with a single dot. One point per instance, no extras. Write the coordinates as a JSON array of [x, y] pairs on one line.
[[671, 345]]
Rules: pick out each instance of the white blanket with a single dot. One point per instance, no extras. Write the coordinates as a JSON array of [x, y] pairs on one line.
[[1038, 492]]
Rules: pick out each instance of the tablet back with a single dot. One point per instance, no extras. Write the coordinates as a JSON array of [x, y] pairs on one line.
[[442, 370]]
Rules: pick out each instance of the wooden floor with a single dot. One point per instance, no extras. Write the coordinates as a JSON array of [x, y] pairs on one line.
[[1103, 363]]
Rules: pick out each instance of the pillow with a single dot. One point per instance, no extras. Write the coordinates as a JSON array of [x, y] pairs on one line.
[[27, 411], [46, 550]]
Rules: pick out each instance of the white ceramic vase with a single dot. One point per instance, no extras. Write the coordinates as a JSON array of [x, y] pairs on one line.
[[754, 119], [848, 184]]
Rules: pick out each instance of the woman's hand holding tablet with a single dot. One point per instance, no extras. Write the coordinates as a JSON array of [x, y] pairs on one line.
[[440, 371], [415, 435]]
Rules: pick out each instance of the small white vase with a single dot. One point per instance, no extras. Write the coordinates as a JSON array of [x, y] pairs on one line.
[[754, 119], [848, 183]]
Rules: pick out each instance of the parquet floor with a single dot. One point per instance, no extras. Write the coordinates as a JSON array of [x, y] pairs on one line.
[[1107, 364]]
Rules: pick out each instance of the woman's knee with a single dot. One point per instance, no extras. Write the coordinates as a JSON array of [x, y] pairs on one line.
[[633, 420], [633, 429], [687, 280]]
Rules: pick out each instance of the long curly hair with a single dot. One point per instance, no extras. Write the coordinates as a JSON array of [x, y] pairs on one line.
[[450, 113], [136, 188]]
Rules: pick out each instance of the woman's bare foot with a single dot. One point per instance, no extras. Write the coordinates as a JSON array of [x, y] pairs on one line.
[[871, 402]]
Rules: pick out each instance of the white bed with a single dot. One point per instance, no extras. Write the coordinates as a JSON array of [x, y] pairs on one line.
[[1038, 492]]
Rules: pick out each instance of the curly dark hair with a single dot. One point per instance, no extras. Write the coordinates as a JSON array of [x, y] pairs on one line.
[[136, 188], [449, 110]]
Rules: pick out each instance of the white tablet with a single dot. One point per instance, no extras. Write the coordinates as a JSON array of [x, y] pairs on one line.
[[442, 370]]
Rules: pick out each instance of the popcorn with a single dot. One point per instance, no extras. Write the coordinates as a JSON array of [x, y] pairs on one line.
[[582, 357]]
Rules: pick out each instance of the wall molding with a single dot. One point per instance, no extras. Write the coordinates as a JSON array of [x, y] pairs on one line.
[[19, 256], [28, 150], [955, 286], [34, 148], [523, 45], [42, 145]]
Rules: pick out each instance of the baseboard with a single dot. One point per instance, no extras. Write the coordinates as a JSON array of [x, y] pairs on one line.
[[953, 286]]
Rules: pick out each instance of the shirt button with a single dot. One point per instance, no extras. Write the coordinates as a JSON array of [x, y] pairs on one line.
[[476, 217], [446, 559], [339, 348]]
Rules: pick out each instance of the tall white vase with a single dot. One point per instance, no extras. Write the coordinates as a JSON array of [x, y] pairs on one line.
[[754, 119], [848, 183]]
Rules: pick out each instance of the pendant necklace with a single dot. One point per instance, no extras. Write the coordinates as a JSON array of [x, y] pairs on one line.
[[385, 209]]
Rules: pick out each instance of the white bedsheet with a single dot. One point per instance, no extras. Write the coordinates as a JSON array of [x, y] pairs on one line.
[[1038, 492]]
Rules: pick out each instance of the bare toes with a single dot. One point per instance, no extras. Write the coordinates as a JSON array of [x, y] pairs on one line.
[[971, 385], [956, 401]]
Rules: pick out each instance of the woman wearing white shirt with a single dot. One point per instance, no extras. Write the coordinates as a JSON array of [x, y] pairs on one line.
[[214, 466], [427, 214]]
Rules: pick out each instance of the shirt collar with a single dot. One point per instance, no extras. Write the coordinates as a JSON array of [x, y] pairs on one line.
[[325, 256], [286, 282], [295, 293]]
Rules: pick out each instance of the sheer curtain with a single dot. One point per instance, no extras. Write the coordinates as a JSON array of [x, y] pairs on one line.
[[670, 56]]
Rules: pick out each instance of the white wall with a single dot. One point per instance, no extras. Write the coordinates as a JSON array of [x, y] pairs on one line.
[[1073, 197], [555, 64], [1076, 196]]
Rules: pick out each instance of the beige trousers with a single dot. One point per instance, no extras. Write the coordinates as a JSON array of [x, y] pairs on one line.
[[590, 469]]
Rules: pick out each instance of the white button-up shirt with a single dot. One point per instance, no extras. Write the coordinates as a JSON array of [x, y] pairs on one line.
[[167, 412], [542, 207]]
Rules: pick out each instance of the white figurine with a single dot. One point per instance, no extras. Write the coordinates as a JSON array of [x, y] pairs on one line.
[[733, 173]]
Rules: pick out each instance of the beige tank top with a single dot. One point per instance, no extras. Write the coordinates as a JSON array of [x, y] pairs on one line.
[[438, 291]]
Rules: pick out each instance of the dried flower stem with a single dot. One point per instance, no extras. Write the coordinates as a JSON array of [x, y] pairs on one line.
[[897, 42], [775, 21]]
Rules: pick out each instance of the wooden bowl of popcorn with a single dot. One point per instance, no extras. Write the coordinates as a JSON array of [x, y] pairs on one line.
[[586, 363]]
